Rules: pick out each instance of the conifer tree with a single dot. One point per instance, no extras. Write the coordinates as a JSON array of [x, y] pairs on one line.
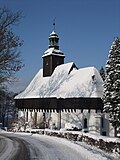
[[111, 97]]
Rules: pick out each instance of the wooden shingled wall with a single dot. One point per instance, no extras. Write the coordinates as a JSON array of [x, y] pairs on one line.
[[59, 104]]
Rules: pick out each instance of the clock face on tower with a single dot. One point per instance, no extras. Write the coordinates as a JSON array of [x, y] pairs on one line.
[[47, 64]]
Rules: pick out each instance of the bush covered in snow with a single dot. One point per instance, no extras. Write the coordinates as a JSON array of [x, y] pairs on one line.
[[72, 127], [110, 145]]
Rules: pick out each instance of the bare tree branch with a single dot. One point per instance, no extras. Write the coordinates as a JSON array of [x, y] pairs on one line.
[[10, 61]]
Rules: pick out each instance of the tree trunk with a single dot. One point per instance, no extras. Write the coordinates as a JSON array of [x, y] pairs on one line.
[[3, 120]]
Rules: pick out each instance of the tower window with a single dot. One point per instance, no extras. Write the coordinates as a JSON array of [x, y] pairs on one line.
[[50, 42]]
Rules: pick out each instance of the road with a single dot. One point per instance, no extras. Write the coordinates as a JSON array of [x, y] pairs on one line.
[[30, 147]]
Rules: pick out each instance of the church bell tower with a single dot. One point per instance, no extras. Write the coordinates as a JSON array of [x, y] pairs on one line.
[[52, 56]]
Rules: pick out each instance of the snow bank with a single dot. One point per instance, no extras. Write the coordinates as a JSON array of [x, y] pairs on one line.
[[108, 144], [86, 152]]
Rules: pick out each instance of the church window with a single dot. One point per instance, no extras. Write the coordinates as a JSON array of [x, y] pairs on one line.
[[102, 122], [85, 123]]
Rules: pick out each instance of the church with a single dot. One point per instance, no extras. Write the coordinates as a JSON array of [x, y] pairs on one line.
[[63, 96]]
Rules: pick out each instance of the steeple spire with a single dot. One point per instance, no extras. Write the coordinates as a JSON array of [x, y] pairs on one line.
[[52, 56], [54, 24]]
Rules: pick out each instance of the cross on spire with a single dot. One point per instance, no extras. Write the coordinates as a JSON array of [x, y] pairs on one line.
[[54, 24]]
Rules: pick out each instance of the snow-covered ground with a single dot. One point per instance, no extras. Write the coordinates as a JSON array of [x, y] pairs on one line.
[[45, 147], [7, 148]]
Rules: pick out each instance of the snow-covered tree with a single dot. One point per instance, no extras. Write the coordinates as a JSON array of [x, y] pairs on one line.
[[111, 97]]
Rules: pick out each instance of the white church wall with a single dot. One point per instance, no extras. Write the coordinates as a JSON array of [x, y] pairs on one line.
[[77, 118], [39, 116], [53, 123], [96, 122]]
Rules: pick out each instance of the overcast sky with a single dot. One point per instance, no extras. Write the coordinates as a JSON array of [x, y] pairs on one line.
[[86, 29]]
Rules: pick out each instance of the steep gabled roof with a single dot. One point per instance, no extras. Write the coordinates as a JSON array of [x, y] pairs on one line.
[[66, 81]]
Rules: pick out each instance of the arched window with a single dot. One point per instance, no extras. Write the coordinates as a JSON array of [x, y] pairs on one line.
[[85, 123], [102, 122]]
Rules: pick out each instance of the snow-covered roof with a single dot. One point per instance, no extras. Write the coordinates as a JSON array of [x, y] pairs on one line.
[[53, 51], [53, 34], [66, 82]]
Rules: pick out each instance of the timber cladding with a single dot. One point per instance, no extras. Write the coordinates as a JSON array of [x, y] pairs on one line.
[[59, 103], [50, 63]]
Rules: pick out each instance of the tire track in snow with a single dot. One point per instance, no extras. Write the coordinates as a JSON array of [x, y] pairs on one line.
[[42, 148], [13, 148], [6, 150]]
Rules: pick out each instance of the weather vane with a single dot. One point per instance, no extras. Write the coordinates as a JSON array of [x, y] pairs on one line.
[[54, 24]]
